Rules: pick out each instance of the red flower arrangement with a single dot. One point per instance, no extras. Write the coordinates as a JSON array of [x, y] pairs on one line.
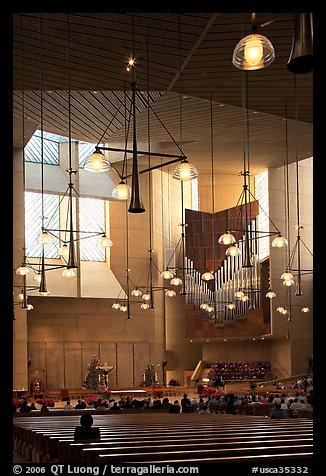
[[48, 401], [157, 392], [210, 391]]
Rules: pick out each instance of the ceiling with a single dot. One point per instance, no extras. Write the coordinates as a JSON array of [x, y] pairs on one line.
[[72, 70]]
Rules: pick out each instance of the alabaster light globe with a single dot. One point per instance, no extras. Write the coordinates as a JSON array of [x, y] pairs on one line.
[[68, 273], [279, 241], [30, 307], [233, 251], [287, 275], [208, 276], [105, 241], [44, 238], [97, 162], [280, 309], [210, 309], [270, 295], [231, 305], [305, 309], [122, 191], [146, 297], [22, 270], [116, 305], [123, 309], [285, 311], [239, 294], [144, 305], [167, 274], [65, 250], [37, 278], [253, 52], [185, 171], [20, 297], [204, 306], [226, 239], [288, 282], [244, 298], [136, 292], [176, 281], [170, 293]]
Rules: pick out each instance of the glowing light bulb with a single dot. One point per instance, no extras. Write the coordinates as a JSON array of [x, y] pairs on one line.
[[37, 278], [253, 51], [288, 282], [226, 239], [239, 294], [233, 251], [96, 161], [210, 309], [176, 281], [44, 238], [30, 307], [204, 306], [65, 250], [121, 191], [116, 306], [106, 242], [231, 305], [207, 276], [21, 297], [136, 292], [123, 309], [144, 305], [305, 309], [146, 297], [244, 298], [68, 273], [22, 270], [170, 293], [280, 309], [279, 242], [270, 294], [167, 274], [287, 276]]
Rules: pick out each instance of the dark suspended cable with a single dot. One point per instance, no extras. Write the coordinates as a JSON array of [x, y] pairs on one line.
[[41, 119], [149, 180], [181, 143], [287, 190], [69, 91]]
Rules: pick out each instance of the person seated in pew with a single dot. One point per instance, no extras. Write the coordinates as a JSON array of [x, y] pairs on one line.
[[277, 411], [68, 406], [25, 408], [33, 406], [175, 407], [44, 408], [157, 403], [85, 431], [80, 405], [115, 406]]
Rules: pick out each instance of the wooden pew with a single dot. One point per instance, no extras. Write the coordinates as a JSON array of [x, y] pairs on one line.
[[146, 434]]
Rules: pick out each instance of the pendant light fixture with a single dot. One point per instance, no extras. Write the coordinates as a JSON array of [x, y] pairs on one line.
[[254, 51], [301, 57]]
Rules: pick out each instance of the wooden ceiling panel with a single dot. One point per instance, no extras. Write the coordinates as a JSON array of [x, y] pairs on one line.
[[184, 60]]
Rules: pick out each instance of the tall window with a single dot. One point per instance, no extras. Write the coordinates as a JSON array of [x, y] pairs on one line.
[[33, 223], [92, 220], [51, 150], [194, 194], [261, 193]]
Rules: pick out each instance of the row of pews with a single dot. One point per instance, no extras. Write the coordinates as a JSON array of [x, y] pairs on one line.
[[157, 437]]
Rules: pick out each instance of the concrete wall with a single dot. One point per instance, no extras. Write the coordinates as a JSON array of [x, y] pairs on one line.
[[20, 379], [296, 326], [64, 333]]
